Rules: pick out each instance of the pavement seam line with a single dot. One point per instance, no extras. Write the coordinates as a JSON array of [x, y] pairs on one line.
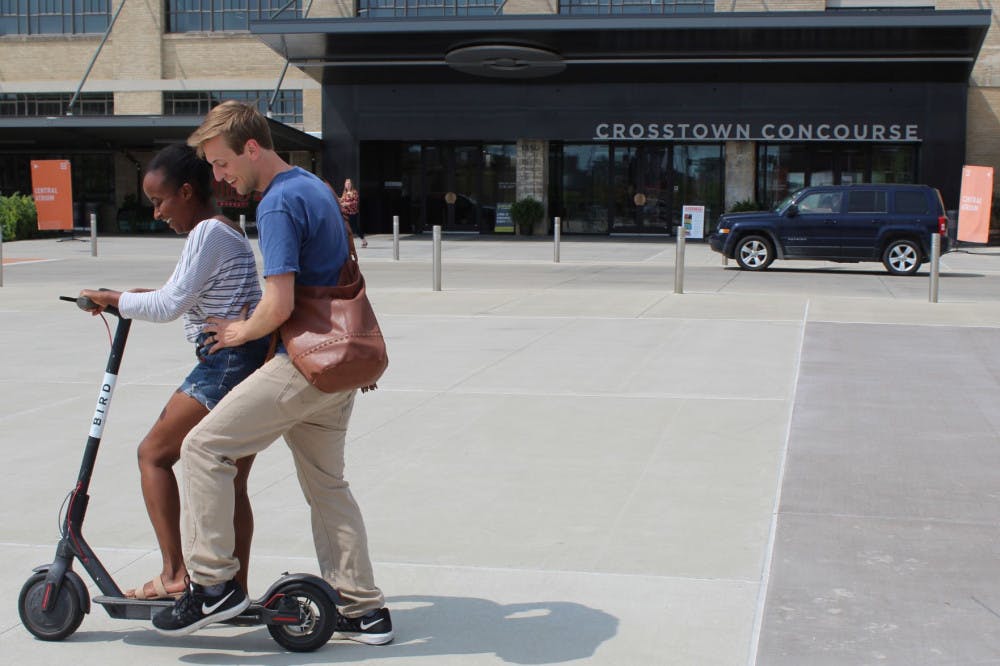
[[765, 579], [627, 504], [145, 552]]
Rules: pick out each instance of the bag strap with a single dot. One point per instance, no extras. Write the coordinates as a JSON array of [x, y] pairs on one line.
[[353, 255]]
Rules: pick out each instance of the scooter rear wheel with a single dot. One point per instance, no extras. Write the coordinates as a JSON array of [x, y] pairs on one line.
[[319, 618], [60, 621]]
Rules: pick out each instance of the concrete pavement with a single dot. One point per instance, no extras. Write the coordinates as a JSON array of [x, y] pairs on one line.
[[570, 463]]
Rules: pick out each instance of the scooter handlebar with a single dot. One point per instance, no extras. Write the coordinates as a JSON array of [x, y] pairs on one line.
[[85, 303]]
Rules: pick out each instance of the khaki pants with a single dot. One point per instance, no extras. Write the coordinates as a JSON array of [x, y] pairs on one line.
[[276, 400]]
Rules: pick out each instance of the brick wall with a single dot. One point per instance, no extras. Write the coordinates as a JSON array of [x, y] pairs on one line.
[[770, 6], [134, 45], [514, 7], [144, 103], [139, 61], [983, 132], [50, 58], [331, 8]]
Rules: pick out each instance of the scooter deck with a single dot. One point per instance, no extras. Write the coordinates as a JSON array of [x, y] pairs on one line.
[[126, 608]]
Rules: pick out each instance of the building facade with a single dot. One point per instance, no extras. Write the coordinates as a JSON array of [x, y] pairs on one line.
[[614, 113], [108, 99], [618, 114]]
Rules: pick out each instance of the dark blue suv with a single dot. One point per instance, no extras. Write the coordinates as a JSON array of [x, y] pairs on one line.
[[848, 223]]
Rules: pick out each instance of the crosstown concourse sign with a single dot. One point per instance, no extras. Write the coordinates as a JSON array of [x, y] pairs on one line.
[[880, 132]]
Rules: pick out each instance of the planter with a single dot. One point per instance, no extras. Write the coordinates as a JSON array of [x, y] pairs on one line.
[[526, 213]]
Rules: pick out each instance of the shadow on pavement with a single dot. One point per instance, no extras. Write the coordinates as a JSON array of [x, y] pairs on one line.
[[543, 632]]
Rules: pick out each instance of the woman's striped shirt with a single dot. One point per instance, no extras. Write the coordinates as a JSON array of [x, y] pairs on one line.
[[216, 276]]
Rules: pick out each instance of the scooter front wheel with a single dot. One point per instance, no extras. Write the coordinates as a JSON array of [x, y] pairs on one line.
[[317, 615], [60, 621]]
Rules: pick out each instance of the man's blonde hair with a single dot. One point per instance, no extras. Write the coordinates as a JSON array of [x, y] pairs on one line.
[[236, 123]]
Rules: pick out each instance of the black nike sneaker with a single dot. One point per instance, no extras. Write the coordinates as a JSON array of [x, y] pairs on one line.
[[375, 628], [196, 608]]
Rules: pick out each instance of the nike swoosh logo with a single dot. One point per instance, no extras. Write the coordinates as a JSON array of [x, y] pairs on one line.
[[208, 610], [366, 627]]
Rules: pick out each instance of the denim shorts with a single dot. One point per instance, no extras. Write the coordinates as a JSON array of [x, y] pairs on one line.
[[217, 374]]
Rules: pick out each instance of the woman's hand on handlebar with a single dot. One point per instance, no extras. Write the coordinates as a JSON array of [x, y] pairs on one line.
[[102, 298]]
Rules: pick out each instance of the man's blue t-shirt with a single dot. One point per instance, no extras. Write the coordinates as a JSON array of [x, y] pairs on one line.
[[300, 229]]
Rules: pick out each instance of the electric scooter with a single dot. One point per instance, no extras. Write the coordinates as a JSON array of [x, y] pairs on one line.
[[299, 610]]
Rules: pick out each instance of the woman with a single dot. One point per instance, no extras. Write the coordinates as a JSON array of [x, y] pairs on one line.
[[215, 276], [348, 202]]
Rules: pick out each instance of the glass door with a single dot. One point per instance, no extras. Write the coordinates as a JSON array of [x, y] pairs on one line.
[[654, 202], [435, 183], [463, 195], [699, 177], [499, 187], [581, 185], [822, 167], [853, 165], [640, 189], [451, 175], [411, 188], [624, 189]]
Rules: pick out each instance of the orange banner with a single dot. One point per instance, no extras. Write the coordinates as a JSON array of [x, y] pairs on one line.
[[52, 187], [975, 204]]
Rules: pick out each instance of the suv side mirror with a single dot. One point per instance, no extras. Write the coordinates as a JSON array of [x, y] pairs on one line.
[[792, 211]]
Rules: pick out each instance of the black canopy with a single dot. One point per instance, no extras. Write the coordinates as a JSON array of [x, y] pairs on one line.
[[848, 45]]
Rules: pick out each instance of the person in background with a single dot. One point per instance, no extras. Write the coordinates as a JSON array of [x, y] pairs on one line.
[[215, 276], [348, 202]]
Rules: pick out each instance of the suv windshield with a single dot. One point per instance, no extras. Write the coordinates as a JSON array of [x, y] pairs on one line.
[[786, 202]]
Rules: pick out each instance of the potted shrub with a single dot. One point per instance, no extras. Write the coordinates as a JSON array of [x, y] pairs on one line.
[[745, 206], [525, 213], [17, 216]]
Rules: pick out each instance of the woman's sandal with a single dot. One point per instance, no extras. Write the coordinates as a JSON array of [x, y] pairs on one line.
[[159, 591]]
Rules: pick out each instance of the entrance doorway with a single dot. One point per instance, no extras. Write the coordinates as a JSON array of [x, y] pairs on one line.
[[634, 188], [641, 189], [459, 186]]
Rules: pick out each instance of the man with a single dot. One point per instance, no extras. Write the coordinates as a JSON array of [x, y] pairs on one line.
[[302, 240]]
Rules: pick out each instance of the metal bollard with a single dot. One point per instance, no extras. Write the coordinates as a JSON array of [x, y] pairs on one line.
[[556, 239], [437, 257], [93, 234], [935, 267], [395, 237], [679, 264], [243, 223]]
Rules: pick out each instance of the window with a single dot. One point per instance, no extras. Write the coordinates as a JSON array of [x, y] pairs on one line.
[[15, 175], [699, 179], [19, 105], [911, 202], [893, 164], [636, 6], [581, 183], [46, 17], [784, 168], [287, 105], [866, 201], [379, 8], [93, 177], [820, 203], [220, 15]]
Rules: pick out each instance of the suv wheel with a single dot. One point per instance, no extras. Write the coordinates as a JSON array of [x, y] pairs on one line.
[[754, 253], [901, 257]]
